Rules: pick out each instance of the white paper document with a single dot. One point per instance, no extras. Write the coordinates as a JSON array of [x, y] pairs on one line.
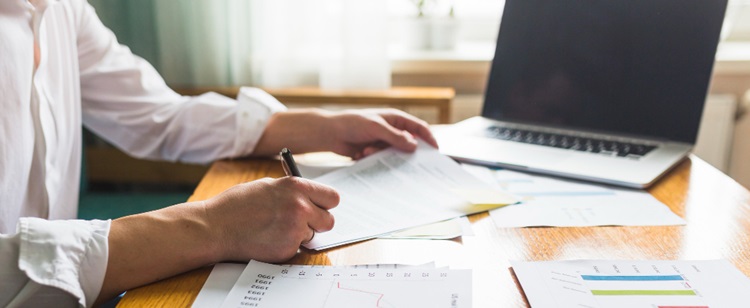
[[313, 165], [224, 276], [555, 202], [391, 191], [267, 285], [221, 280], [443, 230], [633, 284]]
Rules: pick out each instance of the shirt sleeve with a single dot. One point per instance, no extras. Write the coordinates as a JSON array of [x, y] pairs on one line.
[[126, 101], [53, 263]]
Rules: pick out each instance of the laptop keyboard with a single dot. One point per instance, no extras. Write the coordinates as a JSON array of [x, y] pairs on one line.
[[583, 144]]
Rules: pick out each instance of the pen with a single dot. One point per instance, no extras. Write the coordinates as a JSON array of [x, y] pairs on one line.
[[287, 161]]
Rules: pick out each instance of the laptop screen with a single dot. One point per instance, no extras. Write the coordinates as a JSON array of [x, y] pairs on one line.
[[634, 67]]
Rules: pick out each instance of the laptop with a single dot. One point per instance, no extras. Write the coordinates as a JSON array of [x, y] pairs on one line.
[[605, 91]]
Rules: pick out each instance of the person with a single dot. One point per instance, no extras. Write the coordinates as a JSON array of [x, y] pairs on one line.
[[61, 68]]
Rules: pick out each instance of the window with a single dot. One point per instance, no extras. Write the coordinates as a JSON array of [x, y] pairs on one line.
[[737, 21]]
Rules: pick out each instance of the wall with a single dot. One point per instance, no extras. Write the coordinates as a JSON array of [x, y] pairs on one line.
[[731, 77]]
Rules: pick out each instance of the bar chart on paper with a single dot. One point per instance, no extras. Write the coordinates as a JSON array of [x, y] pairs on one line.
[[673, 290], [648, 284], [267, 285]]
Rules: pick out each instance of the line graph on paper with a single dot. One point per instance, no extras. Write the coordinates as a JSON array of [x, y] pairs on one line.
[[358, 296], [266, 285], [386, 294]]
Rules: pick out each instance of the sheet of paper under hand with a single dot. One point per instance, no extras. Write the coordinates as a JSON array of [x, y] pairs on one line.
[[392, 190]]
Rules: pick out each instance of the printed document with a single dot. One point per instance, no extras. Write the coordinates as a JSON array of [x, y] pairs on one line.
[[392, 190], [632, 284], [548, 201], [224, 276], [268, 285]]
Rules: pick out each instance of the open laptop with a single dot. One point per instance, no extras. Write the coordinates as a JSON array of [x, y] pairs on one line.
[[607, 91]]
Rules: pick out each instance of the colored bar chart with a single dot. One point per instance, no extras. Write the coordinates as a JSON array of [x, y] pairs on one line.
[[638, 278], [632, 284]]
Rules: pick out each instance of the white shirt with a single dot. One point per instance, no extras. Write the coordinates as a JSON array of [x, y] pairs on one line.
[[86, 78]]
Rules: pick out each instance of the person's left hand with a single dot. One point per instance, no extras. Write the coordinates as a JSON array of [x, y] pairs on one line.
[[353, 133], [361, 133]]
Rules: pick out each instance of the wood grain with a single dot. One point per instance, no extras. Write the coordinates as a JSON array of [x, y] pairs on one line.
[[716, 207]]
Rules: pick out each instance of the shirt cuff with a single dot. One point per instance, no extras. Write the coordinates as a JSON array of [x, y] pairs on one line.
[[70, 255], [255, 108]]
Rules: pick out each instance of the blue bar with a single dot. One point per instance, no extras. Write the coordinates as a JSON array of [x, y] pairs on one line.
[[633, 278]]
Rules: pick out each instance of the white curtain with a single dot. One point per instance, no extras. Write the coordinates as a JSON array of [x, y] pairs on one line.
[[204, 42], [335, 44]]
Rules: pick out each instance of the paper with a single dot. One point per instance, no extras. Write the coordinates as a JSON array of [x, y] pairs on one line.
[[267, 285], [391, 191], [313, 165], [561, 203], [443, 230], [219, 283], [224, 275], [632, 284]]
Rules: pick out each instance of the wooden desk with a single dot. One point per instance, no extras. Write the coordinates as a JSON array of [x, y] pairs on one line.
[[397, 97], [716, 207]]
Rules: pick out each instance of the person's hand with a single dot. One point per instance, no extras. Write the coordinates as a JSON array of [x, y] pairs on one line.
[[268, 219], [265, 220], [353, 133], [360, 133]]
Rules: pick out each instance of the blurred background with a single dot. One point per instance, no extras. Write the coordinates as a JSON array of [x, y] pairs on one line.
[[349, 45]]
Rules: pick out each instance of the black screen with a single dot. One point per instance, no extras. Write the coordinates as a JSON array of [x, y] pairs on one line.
[[635, 67]]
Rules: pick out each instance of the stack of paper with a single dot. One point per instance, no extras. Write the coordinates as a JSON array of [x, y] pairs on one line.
[[267, 285], [632, 284], [391, 191], [557, 202], [444, 230]]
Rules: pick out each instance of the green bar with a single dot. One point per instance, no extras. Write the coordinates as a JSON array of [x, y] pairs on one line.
[[642, 292]]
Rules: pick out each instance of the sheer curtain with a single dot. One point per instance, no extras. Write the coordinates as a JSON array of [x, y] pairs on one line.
[[336, 44]]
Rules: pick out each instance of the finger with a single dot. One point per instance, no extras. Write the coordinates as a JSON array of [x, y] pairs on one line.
[[320, 220], [323, 196], [411, 124], [349, 150], [367, 151], [312, 236], [397, 138]]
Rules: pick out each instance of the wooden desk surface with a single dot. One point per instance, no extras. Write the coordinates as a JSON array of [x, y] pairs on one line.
[[716, 208]]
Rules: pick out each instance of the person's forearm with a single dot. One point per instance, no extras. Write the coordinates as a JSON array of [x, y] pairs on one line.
[[300, 130], [151, 246]]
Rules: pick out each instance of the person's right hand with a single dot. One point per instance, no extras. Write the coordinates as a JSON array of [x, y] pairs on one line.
[[268, 219]]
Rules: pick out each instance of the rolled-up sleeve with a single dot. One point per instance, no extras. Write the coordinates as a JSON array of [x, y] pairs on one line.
[[53, 263]]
